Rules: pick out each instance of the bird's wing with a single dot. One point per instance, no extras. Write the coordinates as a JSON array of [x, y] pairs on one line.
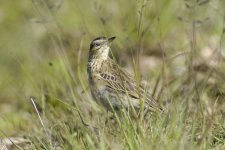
[[122, 82]]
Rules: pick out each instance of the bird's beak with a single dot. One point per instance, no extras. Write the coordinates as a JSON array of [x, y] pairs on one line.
[[111, 39]]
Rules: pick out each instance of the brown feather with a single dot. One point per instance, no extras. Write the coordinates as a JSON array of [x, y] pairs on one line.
[[124, 82]]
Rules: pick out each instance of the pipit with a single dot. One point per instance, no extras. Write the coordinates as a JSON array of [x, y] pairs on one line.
[[112, 86]]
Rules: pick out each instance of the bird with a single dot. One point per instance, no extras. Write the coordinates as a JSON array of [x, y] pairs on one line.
[[112, 86]]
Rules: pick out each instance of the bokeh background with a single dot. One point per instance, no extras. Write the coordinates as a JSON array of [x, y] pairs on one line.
[[176, 46]]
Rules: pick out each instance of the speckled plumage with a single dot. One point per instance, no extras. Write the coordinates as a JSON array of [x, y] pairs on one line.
[[111, 84]]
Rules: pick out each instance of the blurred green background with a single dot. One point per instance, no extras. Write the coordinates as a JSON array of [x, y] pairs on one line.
[[44, 48]]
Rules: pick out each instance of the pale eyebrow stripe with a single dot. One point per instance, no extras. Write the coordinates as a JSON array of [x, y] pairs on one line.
[[99, 41]]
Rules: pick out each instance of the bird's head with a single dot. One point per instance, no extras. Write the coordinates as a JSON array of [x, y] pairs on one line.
[[99, 47]]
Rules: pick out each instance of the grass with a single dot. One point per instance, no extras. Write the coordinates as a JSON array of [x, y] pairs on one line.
[[177, 46]]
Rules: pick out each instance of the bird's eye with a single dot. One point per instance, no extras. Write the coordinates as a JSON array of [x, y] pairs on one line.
[[97, 44]]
